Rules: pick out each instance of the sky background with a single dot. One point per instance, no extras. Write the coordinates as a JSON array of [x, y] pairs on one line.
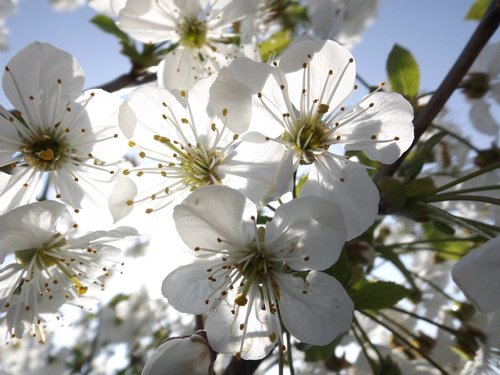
[[433, 30]]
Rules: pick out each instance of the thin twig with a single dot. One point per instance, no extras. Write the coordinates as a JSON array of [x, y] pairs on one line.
[[486, 28]]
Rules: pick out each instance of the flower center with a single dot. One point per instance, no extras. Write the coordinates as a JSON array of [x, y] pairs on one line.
[[476, 85], [193, 32], [46, 257], [309, 138], [196, 164], [45, 152]]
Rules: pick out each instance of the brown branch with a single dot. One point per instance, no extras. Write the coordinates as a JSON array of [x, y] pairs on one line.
[[242, 366], [486, 28]]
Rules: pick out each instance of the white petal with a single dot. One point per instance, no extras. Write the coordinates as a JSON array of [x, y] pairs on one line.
[[308, 233], [227, 331], [482, 118], [384, 131], [189, 289], [20, 188], [260, 171], [326, 56], [477, 276], [321, 314], [235, 89], [34, 72], [179, 69], [180, 356], [102, 114], [150, 111], [31, 225], [146, 22], [348, 185], [231, 11], [215, 217]]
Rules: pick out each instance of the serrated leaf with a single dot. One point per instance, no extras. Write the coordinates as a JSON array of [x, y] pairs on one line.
[[403, 72], [107, 25], [379, 295], [477, 10]]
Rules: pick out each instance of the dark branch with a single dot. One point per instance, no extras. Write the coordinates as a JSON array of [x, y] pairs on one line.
[[478, 40], [242, 366]]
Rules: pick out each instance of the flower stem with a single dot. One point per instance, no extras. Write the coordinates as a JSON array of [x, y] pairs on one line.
[[463, 197], [365, 352], [425, 319], [467, 177], [485, 29], [408, 343], [457, 137], [367, 339], [289, 353]]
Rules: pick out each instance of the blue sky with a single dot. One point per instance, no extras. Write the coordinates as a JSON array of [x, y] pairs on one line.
[[433, 30]]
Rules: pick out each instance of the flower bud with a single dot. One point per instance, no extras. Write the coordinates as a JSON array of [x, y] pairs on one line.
[[182, 355]]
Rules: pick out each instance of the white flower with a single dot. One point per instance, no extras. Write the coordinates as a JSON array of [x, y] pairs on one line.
[[481, 84], [244, 275], [110, 8], [342, 20], [200, 30], [56, 134], [299, 102], [66, 5], [182, 355], [477, 276], [46, 264], [191, 149]]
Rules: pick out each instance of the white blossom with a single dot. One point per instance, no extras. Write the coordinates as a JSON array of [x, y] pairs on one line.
[[56, 136], [299, 101], [243, 276], [200, 30], [190, 148], [45, 263]]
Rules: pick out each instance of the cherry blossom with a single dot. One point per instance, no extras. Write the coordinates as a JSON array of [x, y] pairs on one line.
[[244, 276], [200, 30], [56, 135], [45, 263], [189, 149], [299, 101]]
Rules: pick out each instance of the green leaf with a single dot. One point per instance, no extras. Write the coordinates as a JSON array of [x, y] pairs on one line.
[[275, 44], [422, 155], [379, 295], [107, 25], [403, 72], [477, 10]]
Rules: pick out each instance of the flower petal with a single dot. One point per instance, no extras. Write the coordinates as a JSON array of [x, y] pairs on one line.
[[215, 217], [329, 67], [189, 288], [384, 130], [320, 314], [246, 330], [308, 233], [40, 80], [477, 276], [347, 184]]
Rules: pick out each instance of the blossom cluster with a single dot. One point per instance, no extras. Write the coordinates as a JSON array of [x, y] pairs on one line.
[[259, 167]]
